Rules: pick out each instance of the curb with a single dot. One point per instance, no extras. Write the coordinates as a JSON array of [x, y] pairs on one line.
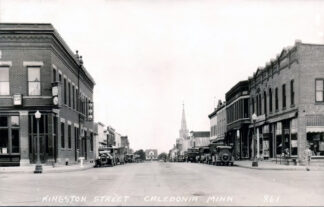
[[56, 170], [286, 169]]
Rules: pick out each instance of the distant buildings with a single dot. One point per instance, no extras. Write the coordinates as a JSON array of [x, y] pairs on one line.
[[151, 154], [218, 123]]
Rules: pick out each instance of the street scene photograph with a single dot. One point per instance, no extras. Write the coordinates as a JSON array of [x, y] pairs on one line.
[[161, 103]]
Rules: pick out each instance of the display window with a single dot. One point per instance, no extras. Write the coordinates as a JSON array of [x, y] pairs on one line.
[[316, 143], [9, 134]]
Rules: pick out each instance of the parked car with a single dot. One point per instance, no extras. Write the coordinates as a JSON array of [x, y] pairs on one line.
[[192, 154], [129, 158], [104, 159], [224, 155], [205, 155]]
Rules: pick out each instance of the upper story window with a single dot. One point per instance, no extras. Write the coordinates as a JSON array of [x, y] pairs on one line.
[[276, 99], [4, 81], [34, 84], [265, 101], [69, 93], [65, 92], [54, 75], [292, 93], [319, 84], [284, 96], [270, 100], [73, 97]]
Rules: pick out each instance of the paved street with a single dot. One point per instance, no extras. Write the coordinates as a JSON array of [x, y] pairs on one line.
[[157, 183]]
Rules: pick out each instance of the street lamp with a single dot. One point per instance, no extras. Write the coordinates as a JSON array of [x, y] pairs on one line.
[[38, 167], [255, 160]]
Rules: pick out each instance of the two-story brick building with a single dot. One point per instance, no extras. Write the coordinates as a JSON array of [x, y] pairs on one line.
[[237, 116], [287, 95], [35, 66], [218, 123]]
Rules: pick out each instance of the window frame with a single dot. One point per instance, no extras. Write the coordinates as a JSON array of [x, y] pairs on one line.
[[8, 67], [40, 82], [319, 79], [292, 93], [284, 97]]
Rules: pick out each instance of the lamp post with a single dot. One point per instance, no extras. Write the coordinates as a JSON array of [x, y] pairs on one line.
[[38, 167], [255, 160]]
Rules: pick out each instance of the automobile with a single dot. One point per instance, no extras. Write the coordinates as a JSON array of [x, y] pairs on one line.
[[192, 154], [104, 159], [205, 155], [224, 155], [129, 158]]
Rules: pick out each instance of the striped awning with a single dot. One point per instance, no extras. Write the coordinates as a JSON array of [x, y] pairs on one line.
[[314, 129]]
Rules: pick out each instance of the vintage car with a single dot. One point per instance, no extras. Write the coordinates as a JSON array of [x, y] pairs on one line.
[[205, 155], [129, 158], [223, 155], [104, 159], [192, 154]]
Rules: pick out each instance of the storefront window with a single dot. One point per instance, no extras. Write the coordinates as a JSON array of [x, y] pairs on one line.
[[9, 134], [3, 121], [4, 141], [316, 142], [15, 140]]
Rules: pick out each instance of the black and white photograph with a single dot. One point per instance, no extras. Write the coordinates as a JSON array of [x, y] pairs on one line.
[[161, 103]]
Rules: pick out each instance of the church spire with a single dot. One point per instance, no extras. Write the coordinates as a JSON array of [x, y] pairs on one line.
[[183, 132]]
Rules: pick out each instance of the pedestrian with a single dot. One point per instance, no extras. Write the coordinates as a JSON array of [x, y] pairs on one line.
[[307, 156]]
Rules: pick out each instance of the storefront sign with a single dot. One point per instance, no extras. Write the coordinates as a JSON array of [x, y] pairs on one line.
[[17, 99], [293, 143], [4, 150]]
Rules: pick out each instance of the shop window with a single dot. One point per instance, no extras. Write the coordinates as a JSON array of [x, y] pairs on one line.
[[4, 81], [4, 141], [294, 145], [316, 143], [319, 90], [34, 81], [3, 121], [15, 140]]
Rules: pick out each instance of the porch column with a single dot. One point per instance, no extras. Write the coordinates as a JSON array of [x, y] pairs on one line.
[[24, 139]]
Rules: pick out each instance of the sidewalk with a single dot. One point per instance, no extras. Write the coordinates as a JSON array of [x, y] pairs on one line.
[[46, 168], [270, 165]]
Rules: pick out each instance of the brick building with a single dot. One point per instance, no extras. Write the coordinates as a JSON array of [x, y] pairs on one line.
[[238, 120], [287, 97], [35, 64], [218, 123]]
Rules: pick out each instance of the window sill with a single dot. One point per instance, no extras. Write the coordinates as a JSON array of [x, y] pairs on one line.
[[319, 103], [283, 108], [292, 105]]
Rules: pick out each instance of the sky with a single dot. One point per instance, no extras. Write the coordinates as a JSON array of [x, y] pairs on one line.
[[149, 56]]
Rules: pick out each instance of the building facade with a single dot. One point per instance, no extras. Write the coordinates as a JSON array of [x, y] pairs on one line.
[[287, 97], [238, 120], [218, 123], [199, 139], [38, 71], [151, 154]]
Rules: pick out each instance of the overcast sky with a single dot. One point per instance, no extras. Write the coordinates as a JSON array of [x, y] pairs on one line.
[[147, 57]]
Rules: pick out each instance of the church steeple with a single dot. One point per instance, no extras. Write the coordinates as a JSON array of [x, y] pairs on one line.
[[183, 132]]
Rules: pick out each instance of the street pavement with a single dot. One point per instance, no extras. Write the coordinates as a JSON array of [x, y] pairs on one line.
[[164, 184]]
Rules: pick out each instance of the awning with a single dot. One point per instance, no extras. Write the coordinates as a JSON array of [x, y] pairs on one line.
[[314, 129], [283, 117]]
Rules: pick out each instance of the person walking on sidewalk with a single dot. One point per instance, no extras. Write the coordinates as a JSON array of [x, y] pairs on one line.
[[307, 156]]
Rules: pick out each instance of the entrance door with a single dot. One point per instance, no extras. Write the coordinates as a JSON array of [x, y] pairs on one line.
[[42, 148]]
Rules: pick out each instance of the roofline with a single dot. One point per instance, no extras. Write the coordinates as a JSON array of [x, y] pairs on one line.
[[18, 28]]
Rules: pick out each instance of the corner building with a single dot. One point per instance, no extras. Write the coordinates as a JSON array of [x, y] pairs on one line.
[[33, 59], [287, 97]]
